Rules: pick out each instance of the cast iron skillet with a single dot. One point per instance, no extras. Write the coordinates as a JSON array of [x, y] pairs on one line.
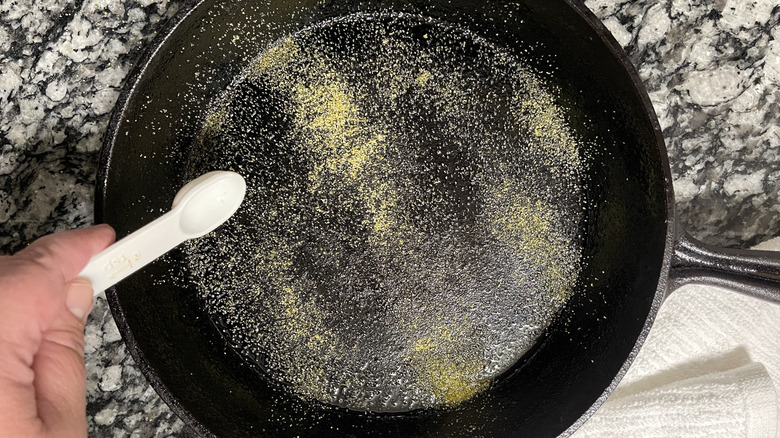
[[636, 254]]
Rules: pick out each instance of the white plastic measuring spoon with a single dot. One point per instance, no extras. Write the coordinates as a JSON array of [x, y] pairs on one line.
[[201, 205]]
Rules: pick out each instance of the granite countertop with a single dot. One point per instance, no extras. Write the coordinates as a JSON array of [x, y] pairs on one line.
[[712, 70]]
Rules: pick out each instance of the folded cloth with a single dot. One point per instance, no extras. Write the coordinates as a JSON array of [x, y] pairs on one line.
[[709, 368]]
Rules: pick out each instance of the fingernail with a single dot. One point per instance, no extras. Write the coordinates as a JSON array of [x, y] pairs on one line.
[[79, 299]]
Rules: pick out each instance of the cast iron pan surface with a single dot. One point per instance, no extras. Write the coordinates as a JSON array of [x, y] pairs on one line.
[[624, 231]]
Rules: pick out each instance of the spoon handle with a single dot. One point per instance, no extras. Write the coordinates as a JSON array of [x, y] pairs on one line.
[[134, 251]]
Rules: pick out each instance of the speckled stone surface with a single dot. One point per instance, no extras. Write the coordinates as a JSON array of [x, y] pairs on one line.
[[712, 69]]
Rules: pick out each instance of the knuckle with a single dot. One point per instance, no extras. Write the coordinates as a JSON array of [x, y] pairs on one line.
[[67, 338]]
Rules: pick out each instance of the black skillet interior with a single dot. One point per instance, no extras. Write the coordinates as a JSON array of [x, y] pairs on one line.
[[576, 363]]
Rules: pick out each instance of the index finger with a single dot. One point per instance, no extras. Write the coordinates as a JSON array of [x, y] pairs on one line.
[[66, 253]]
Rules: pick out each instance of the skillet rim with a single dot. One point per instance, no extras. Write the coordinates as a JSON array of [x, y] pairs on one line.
[[662, 289], [112, 131]]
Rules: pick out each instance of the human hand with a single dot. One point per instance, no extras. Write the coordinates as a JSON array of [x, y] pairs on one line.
[[43, 309]]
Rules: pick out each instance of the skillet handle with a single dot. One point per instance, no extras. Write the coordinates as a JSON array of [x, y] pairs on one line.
[[751, 272]]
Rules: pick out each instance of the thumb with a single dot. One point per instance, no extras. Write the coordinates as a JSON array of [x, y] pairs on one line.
[[79, 299], [60, 375]]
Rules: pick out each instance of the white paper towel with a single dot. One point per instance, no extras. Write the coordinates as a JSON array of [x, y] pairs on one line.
[[709, 368]]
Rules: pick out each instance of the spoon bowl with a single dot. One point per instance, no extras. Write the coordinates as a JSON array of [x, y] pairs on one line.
[[198, 208], [210, 200]]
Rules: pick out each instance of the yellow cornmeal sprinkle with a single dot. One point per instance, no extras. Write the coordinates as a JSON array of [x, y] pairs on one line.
[[345, 146], [363, 155], [311, 342], [355, 162], [329, 108], [215, 119], [346, 150], [423, 77], [445, 367], [301, 323], [538, 114], [530, 227], [276, 57]]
